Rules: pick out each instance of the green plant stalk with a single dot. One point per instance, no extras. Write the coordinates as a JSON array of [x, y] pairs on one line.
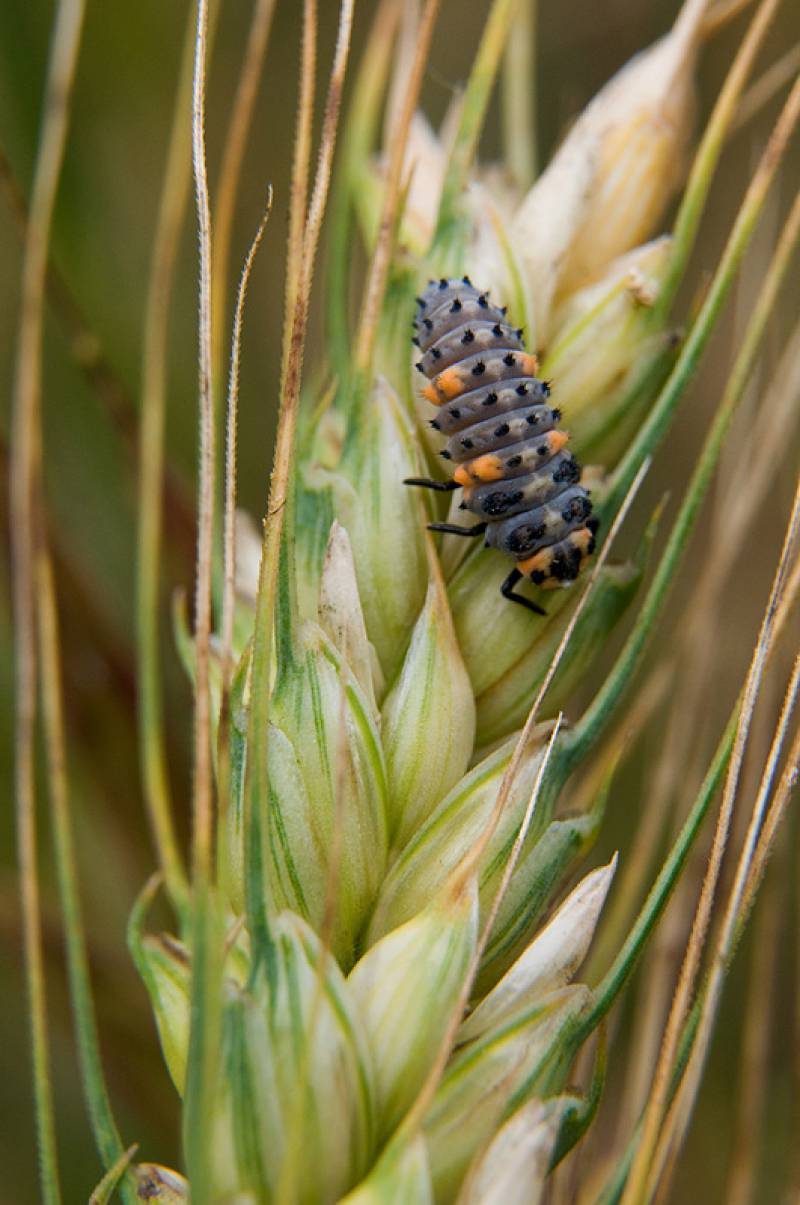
[[171, 216], [473, 114], [25, 498], [519, 98], [106, 1134], [707, 157], [612, 1193], [204, 1039], [205, 998], [104, 1191]]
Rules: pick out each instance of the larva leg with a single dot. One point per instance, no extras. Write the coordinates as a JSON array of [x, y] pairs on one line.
[[454, 530], [507, 591], [428, 484]]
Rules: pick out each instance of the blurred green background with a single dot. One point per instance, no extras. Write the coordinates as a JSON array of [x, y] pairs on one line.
[[102, 243]]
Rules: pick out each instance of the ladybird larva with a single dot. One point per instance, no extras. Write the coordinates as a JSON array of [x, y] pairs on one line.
[[509, 454]]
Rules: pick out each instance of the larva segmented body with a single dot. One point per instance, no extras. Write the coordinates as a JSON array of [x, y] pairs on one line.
[[510, 455]]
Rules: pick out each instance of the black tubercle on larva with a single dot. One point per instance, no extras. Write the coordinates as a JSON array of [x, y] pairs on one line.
[[526, 491], [568, 471]]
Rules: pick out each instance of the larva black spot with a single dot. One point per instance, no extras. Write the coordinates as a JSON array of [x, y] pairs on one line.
[[500, 501], [536, 512], [568, 471]]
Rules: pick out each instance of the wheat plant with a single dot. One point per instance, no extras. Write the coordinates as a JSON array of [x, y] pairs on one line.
[[387, 975]]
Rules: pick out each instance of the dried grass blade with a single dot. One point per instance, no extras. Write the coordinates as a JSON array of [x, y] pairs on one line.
[[645, 1169], [738, 905]]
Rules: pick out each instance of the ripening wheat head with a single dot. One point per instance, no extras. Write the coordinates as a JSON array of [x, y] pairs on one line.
[[379, 1003]]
